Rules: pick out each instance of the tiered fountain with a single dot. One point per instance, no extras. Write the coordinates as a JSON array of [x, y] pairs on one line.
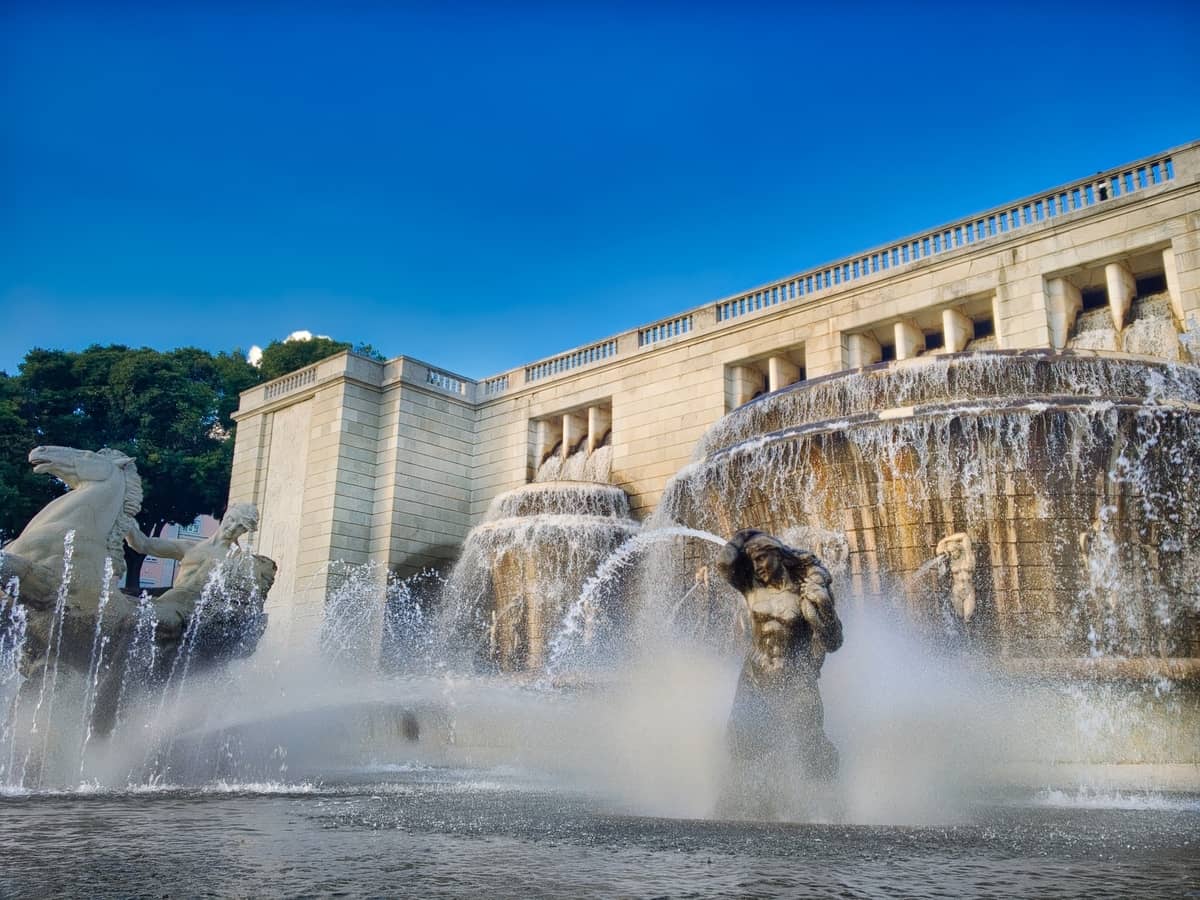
[[529, 558], [1038, 509]]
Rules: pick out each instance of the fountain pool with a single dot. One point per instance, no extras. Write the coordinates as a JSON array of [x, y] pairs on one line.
[[550, 720]]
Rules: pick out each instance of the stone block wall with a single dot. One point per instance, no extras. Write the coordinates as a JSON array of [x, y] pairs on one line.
[[398, 460]]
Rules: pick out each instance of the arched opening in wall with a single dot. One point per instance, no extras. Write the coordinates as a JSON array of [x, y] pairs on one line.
[[763, 373]]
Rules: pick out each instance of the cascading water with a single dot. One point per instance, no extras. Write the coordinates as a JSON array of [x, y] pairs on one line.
[[1064, 472], [1073, 479], [525, 563], [114, 721]]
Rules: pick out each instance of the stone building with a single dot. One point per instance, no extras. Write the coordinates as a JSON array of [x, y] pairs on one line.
[[395, 461]]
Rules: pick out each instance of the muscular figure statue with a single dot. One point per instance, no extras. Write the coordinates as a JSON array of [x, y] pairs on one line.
[[793, 624]]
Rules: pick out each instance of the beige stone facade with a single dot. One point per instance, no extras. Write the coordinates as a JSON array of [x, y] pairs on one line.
[[394, 462]]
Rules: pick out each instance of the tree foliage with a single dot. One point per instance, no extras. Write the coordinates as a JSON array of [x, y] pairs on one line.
[[281, 357], [171, 411]]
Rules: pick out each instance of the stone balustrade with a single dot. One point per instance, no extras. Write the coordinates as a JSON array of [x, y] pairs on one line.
[[660, 331], [496, 385], [996, 222], [445, 381], [1082, 196], [293, 381], [572, 360]]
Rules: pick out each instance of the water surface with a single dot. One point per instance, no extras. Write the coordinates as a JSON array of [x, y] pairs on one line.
[[427, 832]]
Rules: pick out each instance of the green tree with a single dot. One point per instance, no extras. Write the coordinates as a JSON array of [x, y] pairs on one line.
[[281, 357], [22, 493], [171, 411]]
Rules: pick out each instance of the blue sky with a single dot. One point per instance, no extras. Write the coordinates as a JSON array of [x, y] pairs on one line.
[[481, 185]]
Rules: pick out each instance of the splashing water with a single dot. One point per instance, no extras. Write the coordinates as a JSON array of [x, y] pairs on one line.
[[575, 624]]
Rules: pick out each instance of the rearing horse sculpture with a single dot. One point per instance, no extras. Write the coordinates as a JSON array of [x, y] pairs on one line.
[[105, 495], [98, 513]]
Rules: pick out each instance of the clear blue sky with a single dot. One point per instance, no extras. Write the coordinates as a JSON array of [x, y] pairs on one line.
[[480, 185]]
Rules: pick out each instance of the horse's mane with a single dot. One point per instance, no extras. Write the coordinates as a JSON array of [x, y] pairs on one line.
[[132, 505]]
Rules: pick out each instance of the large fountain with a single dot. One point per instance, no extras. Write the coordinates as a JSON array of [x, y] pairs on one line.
[[1035, 513], [1010, 537], [1064, 485]]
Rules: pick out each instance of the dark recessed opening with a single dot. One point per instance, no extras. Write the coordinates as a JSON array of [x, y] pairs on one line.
[[887, 352], [984, 328], [1152, 284], [1094, 298], [934, 340]]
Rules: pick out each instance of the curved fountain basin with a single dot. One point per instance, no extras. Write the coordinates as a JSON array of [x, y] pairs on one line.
[[586, 498], [1076, 477], [955, 378], [527, 561]]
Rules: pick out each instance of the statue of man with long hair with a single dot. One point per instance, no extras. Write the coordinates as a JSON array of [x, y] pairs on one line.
[[793, 624]]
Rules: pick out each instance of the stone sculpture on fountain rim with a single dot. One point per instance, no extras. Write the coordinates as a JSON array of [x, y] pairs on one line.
[[198, 560], [92, 519], [794, 624]]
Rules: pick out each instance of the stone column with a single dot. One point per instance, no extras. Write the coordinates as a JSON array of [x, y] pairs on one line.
[[910, 341], [1121, 291], [862, 350], [549, 432], [1172, 275], [574, 431], [1063, 303], [957, 330], [741, 384], [599, 423], [781, 372]]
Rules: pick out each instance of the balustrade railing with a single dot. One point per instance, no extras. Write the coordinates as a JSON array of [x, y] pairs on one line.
[[289, 383], [1001, 220], [497, 385], [660, 331], [444, 380], [573, 360]]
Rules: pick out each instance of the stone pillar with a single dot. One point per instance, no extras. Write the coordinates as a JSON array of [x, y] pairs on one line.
[[1063, 303], [910, 341], [549, 433], [741, 384], [599, 423], [957, 330], [781, 372], [574, 431], [1172, 274], [1121, 291], [862, 350], [824, 351]]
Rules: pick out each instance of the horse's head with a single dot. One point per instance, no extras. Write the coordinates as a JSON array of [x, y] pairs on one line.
[[75, 467]]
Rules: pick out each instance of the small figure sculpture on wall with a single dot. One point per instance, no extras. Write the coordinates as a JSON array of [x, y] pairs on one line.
[[957, 550]]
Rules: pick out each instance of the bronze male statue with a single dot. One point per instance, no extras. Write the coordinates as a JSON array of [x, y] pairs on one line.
[[793, 624]]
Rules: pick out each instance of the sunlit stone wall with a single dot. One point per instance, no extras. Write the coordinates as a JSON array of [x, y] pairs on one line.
[[401, 459]]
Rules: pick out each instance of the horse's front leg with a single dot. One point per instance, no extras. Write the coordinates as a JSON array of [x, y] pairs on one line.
[[36, 585]]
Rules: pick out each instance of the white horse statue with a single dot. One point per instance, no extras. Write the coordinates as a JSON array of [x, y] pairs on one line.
[[93, 520], [105, 495]]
